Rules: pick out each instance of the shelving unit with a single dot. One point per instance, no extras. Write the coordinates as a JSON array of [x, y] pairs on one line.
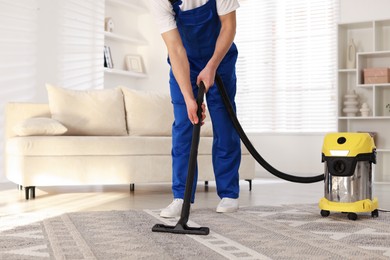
[[372, 41], [125, 39], [125, 73], [138, 40], [131, 5]]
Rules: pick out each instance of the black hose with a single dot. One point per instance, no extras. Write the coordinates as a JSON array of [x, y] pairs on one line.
[[250, 147]]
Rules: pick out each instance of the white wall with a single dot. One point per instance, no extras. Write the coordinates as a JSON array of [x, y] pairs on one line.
[[296, 154], [47, 71], [363, 10], [155, 56]]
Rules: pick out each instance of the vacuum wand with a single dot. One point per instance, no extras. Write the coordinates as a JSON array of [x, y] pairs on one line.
[[181, 226]]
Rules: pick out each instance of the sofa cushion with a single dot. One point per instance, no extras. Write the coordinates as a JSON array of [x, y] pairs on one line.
[[99, 145], [39, 126], [88, 112], [96, 145], [148, 113]]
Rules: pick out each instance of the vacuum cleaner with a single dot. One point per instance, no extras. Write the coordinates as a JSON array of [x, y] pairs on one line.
[[327, 204], [348, 159]]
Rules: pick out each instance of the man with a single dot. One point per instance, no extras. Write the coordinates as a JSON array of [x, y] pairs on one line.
[[199, 37]]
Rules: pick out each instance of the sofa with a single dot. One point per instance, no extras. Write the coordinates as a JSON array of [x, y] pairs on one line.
[[98, 137]]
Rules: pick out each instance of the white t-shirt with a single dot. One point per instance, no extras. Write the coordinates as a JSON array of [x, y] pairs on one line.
[[165, 16]]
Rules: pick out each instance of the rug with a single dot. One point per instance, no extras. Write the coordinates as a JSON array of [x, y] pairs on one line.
[[263, 232]]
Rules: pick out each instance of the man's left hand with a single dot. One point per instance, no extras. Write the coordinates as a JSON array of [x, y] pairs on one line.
[[207, 75]]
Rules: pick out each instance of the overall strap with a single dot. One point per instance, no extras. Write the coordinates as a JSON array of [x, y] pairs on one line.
[[173, 1], [175, 5]]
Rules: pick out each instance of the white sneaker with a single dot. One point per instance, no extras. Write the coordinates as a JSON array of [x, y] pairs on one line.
[[173, 210], [227, 205]]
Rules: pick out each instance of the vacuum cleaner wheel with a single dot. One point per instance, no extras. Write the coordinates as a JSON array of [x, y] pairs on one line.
[[325, 213], [352, 216], [375, 213]]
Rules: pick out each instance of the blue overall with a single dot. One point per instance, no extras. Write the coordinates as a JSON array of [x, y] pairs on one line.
[[199, 29]]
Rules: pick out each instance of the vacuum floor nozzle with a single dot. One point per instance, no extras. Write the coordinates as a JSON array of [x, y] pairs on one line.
[[181, 229]]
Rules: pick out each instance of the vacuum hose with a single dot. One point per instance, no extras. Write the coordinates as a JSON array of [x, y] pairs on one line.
[[250, 147]]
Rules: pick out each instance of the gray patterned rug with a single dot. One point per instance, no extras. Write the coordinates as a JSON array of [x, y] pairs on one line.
[[263, 232]]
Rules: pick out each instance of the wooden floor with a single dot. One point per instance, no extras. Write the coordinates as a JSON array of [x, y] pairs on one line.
[[58, 200]]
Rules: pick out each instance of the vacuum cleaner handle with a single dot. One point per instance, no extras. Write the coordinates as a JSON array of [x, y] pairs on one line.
[[199, 100], [193, 157], [181, 227]]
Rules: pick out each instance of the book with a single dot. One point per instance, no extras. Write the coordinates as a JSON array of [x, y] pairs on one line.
[[107, 58]]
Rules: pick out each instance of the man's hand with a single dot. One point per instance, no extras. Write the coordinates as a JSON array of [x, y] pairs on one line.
[[207, 75], [192, 108]]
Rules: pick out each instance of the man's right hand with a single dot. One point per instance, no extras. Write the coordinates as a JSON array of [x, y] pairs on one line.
[[192, 108]]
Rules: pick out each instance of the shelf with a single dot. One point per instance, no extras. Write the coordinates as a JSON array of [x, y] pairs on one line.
[[375, 53], [125, 73], [129, 4], [347, 70], [132, 40], [383, 150], [381, 182], [364, 118], [384, 85], [356, 25]]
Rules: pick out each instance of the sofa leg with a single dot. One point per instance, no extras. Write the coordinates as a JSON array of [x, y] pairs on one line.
[[29, 192], [206, 185], [132, 186], [250, 184]]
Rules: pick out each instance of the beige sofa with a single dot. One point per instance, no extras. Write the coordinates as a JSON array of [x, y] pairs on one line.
[[98, 137]]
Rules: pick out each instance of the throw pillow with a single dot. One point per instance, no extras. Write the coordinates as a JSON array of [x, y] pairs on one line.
[[39, 126], [148, 113], [88, 112]]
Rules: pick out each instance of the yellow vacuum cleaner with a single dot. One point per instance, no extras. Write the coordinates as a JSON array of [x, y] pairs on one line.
[[348, 159]]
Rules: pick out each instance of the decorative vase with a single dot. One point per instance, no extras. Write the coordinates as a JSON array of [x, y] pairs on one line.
[[351, 55], [351, 104], [387, 110], [365, 110]]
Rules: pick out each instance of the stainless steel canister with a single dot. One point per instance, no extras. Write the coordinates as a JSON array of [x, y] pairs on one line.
[[352, 188]]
